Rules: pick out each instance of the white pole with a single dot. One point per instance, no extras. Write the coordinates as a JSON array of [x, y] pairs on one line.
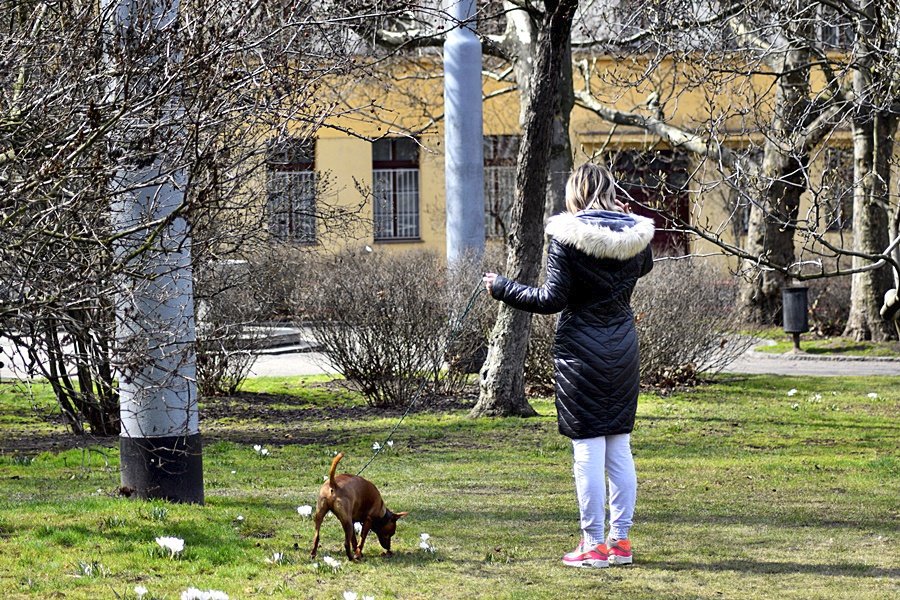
[[463, 135], [155, 332]]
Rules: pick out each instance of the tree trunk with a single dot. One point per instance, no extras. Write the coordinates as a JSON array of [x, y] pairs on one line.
[[873, 145], [872, 149], [770, 233], [561, 162], [502, 378]]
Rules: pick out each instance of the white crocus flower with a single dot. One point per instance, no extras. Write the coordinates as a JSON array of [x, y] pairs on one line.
[[257, 447], [140, 591], [264, 452], [305, 510], [368, 598], [350, 595], [376, 446], [334, 564], [872, 395], [172, 544], [792, 391], [390, 445], [193, 593]]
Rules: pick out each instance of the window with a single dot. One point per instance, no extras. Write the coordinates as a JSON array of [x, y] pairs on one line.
[[836, 196], [835, 28], [500, 154], [655, 183], [292, 191], [395, 187]]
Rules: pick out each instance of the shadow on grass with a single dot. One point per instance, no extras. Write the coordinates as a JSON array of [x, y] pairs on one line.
[[754, 567]]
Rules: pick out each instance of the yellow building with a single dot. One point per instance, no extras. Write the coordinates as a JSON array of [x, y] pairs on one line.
[[382, 160]]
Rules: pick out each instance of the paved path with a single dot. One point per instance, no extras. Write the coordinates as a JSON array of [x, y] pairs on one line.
[[759, 362], [309, 363], [301, 360]]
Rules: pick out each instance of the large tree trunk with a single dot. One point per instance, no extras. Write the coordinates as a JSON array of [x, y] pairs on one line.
[[872, 148], [873, 145], [561, 162], [770, 233], [502, 381]]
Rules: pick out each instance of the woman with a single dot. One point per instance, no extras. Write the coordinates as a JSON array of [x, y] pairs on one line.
[[598, 252]]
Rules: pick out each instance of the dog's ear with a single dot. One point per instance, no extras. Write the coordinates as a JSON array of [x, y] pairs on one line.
[[400, 515]]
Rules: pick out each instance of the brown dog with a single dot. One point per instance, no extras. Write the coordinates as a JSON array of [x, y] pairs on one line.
[[353, 499]]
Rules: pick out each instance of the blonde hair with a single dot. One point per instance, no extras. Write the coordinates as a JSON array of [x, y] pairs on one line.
[[591, 187]]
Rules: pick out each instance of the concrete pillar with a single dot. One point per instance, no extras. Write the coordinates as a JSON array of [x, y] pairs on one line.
[[155, 330], [463, 134]]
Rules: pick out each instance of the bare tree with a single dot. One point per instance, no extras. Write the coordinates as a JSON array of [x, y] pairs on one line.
[[127, 131], [763, 57]]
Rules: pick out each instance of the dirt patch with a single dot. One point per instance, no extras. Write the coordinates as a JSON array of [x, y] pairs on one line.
[[261, 418]]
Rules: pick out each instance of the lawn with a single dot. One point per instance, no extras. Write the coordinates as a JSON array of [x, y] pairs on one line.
[[825, 346], [747, 489]]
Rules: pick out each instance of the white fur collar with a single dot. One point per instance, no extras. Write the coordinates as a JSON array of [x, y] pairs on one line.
[[599, 241]]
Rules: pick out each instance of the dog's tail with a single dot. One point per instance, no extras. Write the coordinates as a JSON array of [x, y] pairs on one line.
[[334, 465]]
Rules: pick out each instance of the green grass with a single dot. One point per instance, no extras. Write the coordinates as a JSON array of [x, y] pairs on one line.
[[826, 346], [744, 492]]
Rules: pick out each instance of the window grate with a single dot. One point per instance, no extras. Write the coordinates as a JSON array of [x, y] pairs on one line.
[[396, 210], [292, 206]]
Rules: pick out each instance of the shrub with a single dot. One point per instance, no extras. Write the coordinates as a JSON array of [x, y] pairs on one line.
[[829, 305], [382, 320], [539, 357], [227, 331], [687, 320]]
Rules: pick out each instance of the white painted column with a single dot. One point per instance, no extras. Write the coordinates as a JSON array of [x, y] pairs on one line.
[[463, 133]]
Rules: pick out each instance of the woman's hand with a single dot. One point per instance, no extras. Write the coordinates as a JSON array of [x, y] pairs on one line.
[[488, 280]]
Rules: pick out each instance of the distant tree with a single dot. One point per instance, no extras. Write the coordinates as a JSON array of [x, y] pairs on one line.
[[784, 118]]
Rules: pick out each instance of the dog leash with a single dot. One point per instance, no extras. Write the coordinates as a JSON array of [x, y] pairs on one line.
[[454, 332]]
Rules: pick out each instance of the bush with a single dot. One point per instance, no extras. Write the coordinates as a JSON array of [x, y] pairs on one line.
[[227, 332], [384, 321], [687, 320], [829, 305], [539, 369]]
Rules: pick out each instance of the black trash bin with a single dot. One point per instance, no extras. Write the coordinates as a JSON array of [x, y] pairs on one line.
[[795, 312]]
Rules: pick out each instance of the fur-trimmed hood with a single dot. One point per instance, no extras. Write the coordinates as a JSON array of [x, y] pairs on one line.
[[601, 233]]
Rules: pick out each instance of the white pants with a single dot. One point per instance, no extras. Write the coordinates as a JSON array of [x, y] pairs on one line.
[[595, 460]]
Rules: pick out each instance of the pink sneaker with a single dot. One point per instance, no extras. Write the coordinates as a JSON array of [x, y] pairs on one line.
[[583, 556], [619, 552]]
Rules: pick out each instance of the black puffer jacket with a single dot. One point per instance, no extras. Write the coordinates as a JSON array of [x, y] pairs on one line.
[[594, 262]]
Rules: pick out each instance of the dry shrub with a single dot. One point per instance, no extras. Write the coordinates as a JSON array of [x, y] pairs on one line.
[[539, 370], [383, 321], [687, 320], [228, 310], [829, 305]]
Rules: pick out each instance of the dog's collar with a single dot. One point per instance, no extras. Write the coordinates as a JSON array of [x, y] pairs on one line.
[[382, 520]]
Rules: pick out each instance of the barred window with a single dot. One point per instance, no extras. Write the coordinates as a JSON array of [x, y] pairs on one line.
[[291, 188], [395, 187], [500, 154], [836, 197], [655, 183]]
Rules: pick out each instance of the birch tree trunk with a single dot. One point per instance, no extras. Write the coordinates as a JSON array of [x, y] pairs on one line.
[[502, 378]]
